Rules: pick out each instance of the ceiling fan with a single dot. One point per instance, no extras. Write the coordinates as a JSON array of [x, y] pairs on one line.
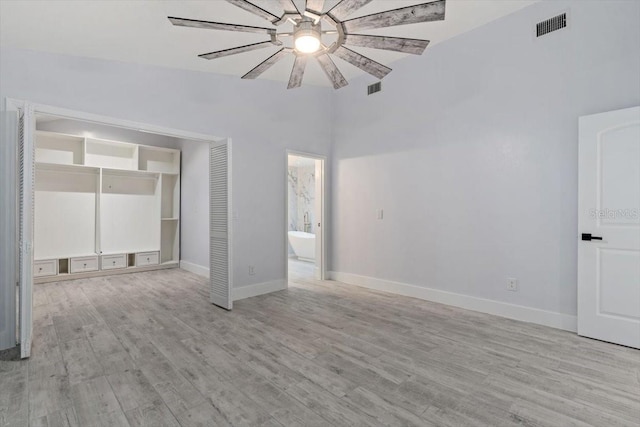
[[308, 32]]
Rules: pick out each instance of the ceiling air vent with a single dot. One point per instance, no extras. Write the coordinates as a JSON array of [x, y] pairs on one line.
[[376, 87], [551, 24]]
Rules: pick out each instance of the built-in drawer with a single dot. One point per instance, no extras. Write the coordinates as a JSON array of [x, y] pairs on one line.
[[45, 268], [83, 264], [147, 258], [110, 262]]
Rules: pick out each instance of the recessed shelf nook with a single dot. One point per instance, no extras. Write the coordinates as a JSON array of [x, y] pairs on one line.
[[104, 206]]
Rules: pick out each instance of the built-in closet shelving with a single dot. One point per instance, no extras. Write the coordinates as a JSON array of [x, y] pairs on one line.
[[102, 206]]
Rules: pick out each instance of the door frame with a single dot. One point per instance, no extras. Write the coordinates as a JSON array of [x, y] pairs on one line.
[[323, 211], [12, 104]]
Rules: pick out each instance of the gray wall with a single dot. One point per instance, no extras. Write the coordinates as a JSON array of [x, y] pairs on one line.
[[471, 150], [194, 212], [262, 118]]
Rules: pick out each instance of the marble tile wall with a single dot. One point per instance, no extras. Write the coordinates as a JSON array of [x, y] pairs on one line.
[[302, 197]]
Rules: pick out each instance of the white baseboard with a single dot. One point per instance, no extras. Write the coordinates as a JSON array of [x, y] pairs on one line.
[[195, 268], [249, 291], [241, 292], [517, 312]]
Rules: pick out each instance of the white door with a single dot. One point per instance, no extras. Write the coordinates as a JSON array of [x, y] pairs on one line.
[[319, 218], [220, 266], [609, 227], [26, 181]]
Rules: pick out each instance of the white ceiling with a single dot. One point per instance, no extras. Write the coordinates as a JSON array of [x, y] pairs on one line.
[[138, 31]]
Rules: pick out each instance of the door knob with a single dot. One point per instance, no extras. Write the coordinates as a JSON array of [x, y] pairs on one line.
[[589, 237]]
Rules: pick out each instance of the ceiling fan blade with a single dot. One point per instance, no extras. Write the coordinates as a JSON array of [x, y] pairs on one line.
[[372, 67], [346, 8], [315, 6], [182, 22], [397, 44], [256, 10], [425, 12], [332, 72], [266, 64], [289, 6], [297, 71], [235, 50]]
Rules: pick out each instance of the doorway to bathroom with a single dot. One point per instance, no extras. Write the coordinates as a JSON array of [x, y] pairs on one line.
[[305, 213]]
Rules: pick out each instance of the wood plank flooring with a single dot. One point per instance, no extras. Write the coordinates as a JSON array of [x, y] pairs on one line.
[[147, 349]]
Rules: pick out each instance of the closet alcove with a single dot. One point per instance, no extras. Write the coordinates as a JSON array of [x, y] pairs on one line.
[[106, 200]]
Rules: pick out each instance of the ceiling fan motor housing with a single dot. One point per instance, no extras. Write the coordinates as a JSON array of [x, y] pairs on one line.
[[307, 30]]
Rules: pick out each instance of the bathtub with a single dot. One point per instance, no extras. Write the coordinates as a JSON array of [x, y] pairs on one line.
[[303, 244]]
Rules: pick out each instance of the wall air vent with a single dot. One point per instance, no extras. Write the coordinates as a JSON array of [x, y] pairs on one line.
[[376, 87], [551, 24]]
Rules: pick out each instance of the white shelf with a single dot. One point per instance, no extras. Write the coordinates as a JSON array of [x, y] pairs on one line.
[[156, 159], [170, 219], [58, 167], [66, 255], [170, 196], [130, 173], [59, 149], [169, 242], [114, 253], [111, 154], [129, 251], [176, 263]]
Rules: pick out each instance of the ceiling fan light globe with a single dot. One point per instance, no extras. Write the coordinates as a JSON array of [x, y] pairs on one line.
[[307, 44]]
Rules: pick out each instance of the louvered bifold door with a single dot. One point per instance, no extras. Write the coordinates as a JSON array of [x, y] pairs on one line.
[[220, 224], [26, 182]]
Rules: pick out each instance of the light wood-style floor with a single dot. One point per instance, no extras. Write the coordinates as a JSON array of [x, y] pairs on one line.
[[300, 269], [148, 349]]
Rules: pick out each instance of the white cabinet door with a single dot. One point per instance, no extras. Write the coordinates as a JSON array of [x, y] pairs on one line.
[[609, 227], [319, 218], [26, 163], [220, 249]]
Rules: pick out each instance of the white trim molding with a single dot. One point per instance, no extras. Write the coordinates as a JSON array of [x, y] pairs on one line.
[[195, 268], [512, 311], [241, 292], [249, 291], [12, 103]]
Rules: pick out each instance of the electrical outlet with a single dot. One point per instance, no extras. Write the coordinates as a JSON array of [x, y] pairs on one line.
[[252, 270], [512, 284]]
